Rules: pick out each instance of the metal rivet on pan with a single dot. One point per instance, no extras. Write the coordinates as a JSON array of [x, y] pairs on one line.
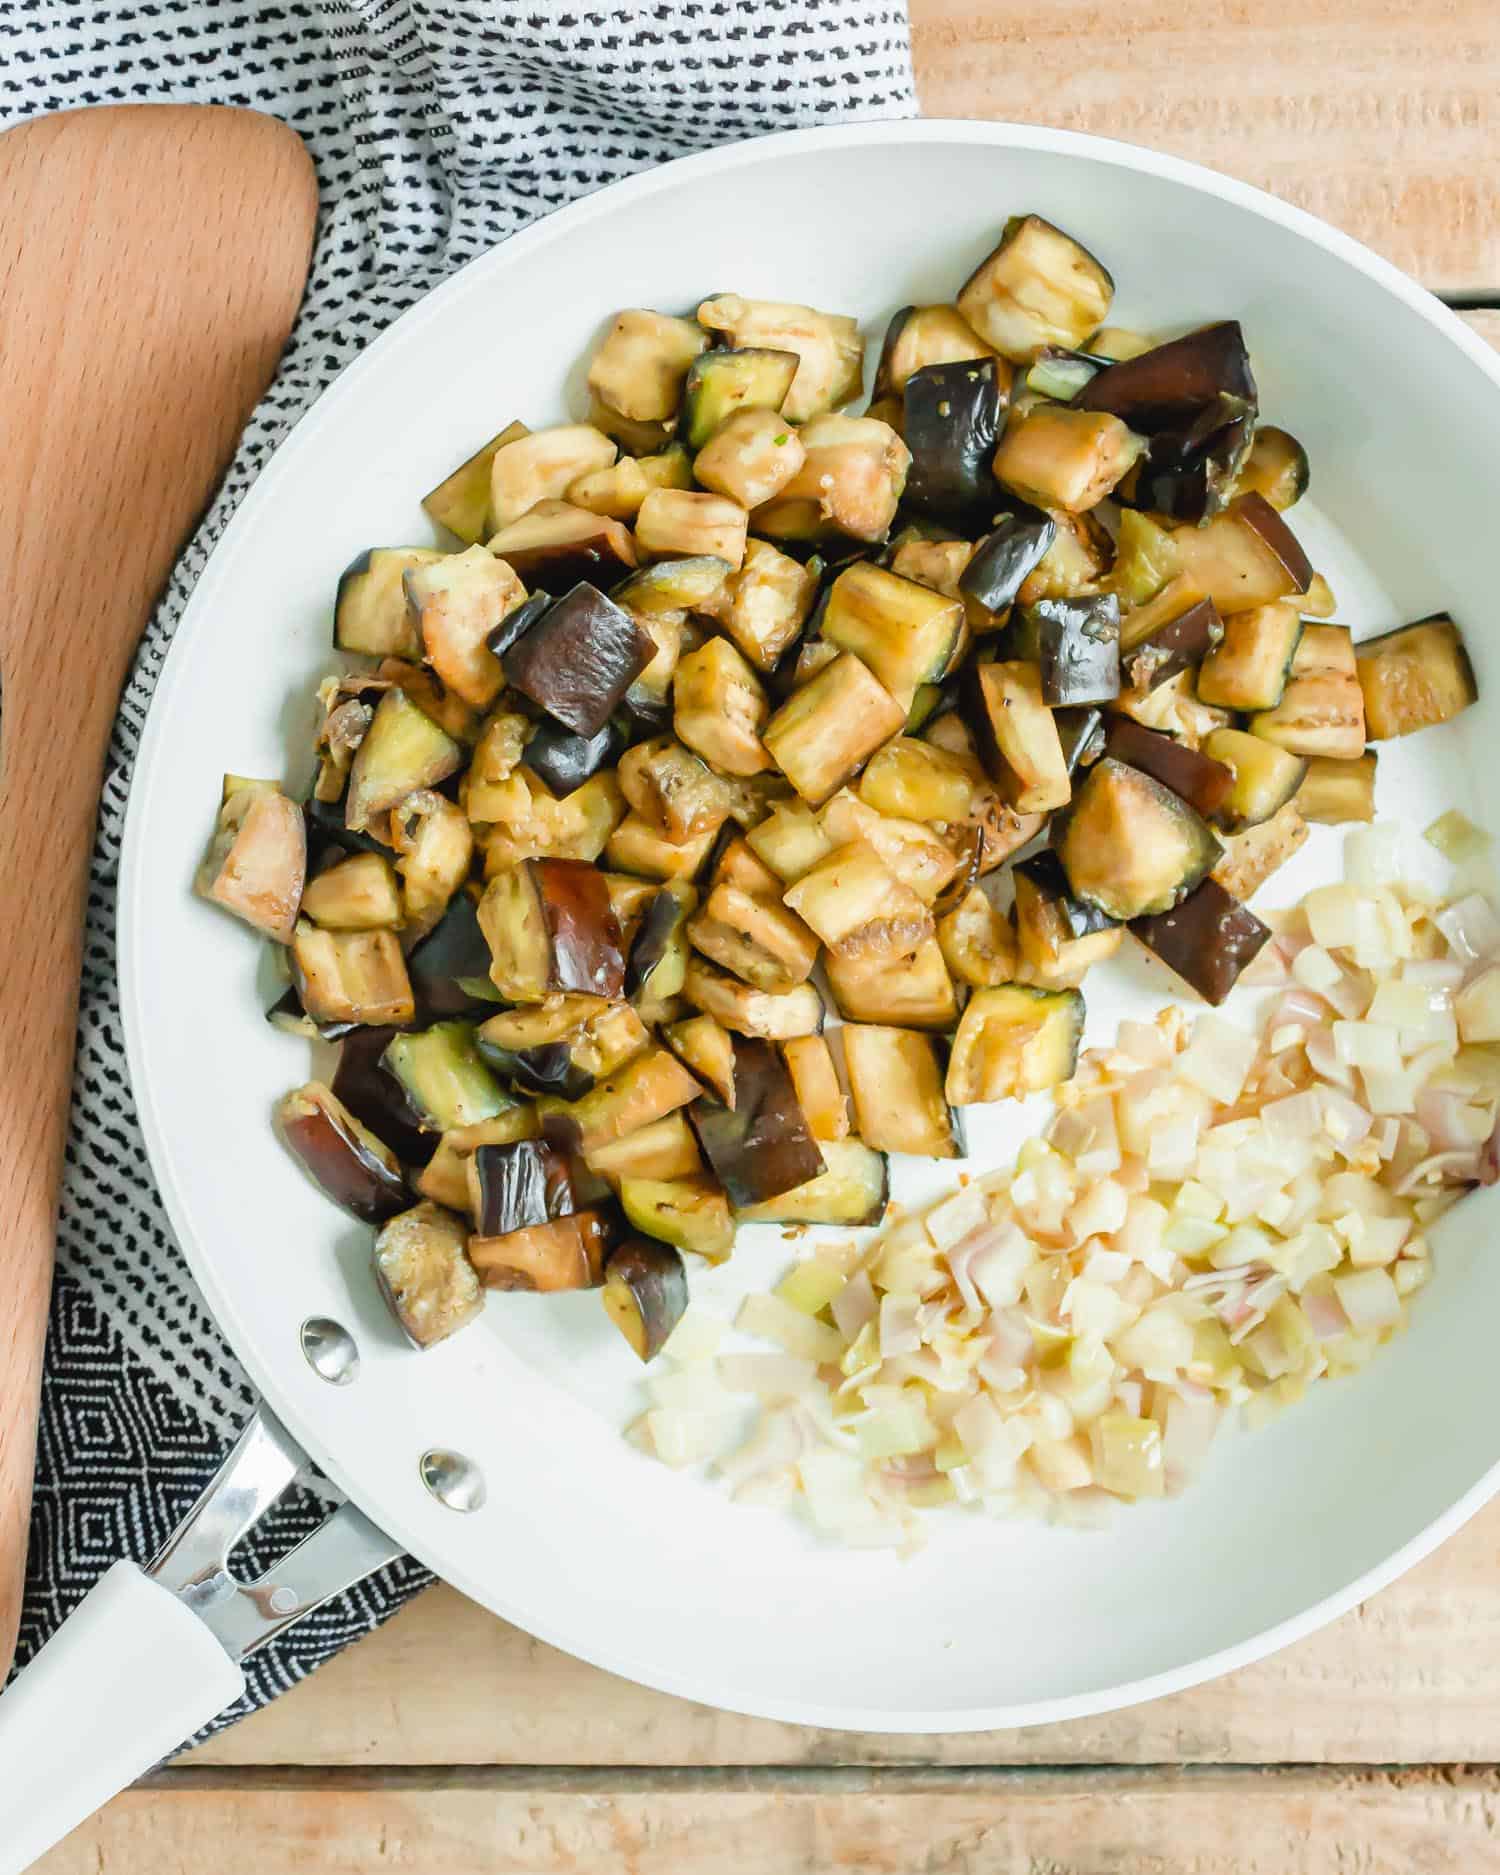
[[453, 1480], [283, 1601], [329, 1350]]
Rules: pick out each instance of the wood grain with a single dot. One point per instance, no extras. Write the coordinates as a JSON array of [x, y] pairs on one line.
[[893, 1823], [1381, 116], [151, 262]]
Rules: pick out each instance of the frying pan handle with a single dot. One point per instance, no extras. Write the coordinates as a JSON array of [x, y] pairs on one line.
[[130, 1674]]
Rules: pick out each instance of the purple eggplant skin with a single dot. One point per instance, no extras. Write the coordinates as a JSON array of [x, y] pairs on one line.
[[377, 1099], [328, 839], [343, 1159], [1046, 874], [1208, 940], [565, 760], [1076, 645], [1081, 733], [287, 1013], [1256, 512], [1196, 778], [646, 1293], [452, 954], [765, 1146], [1021, 536], [520, 1185], [1168, 388], [517, 622], [578, 660], [587, 947], [664, 919], [1190, 481], [953, 418], [1176, 646], [547, 1068]]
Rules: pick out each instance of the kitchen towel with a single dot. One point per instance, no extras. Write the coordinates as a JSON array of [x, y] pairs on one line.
[[437, 130]]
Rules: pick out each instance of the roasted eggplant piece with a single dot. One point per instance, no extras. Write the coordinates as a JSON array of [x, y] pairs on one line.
[[1334, 792], [445, 1177], [860, 910], [423, 1270], [1173, 644], [1202, 779], [403, 750], [920, 856], [462, 502], [775, 1014], [351, 976], [762, 1146], [915, 780], [1147, 558], [896, 1081], [377, 1099], [658, 957], [952, 417], [1059, 457], [578, 827], [829, 350], [1248, 669], [1245, 557], [978, 945], [517, 621], [568, 1253], [579, 659], [288, 1015], [565, 760], [829, 727], [720, 707], [1080, 734], [673, 586], [1413, 678], [642, 362], [617, 492], [1016, 735], [706, 1047], [1276, 468], [675, 522], [563, 1046], [354, 894], [1207, 940], [450, 968], [557, 544], [1039, 287], [1263, 778], [1075, 644], [912, 992], [1322, 709], [639, 438], [370, 612], [651, 1085], [1059, 937], [539, 466], [444, 1077], [1252, 856], [1077, 563], [257, 862], [343, 1158], [1131, 846], [1002, 561], [854, 1189], [750, 458], [673, 789], [435, 844], [666, 1149], [815, 1082], [636, 846], [645, 1293], [722, 383], [550, 926], [692, 1214], [919, 336], [765, 604], [755, 937], [456, 603], [853, 473], [907, 634], [516, 1186], [1014, 1041]]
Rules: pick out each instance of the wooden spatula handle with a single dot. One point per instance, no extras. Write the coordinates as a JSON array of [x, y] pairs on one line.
[[151, 263]]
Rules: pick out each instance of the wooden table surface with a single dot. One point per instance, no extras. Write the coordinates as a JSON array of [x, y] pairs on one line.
[[451, 1744]]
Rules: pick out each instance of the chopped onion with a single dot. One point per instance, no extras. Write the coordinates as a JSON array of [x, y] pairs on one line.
[[1368, 1298], [1218, 1058], [1332, 913], [775, 1320], [1457, 838], [1372, 856], [1471, 928], [899, 1330], [1371, 1046], [854, 1305], [772, 1377], [695, 1339], [1315, 970]]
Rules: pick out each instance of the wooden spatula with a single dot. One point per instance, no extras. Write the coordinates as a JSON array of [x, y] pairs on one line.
[[151, 262]]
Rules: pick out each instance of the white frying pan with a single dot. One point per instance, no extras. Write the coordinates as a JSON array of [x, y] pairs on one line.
[[580, 1539]]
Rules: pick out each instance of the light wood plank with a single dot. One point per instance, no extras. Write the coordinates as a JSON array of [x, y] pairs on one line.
[[1381, 116], [979, 1823], [1411, 1677]]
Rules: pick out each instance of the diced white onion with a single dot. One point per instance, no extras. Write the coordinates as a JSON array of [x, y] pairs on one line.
[[1471, 928], [1219, 1058]]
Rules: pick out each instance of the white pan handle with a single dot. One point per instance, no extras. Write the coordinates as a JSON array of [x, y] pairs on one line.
[[128, 1676]]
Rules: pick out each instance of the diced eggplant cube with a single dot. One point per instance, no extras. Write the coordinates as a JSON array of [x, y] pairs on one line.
[[578, 660], [450, 960], [1059, 937], [563, 1046], [1060, 457], [816, 1084], [518, 1185], [1203, 780], [370, 613], [977, 943], [829, 727], [423, 1269], [645, 1293], [1169, 386], [569, 1253], [765, 603], [351, 976], [854, 471], [1208, 939], [859, 909], [911, 992], [1263, 778], [355, 894], [647, 1088], [1414, 678], [952, 416], [461, 503], [257, 862], [722, 383], [1014, 1041], [1002, 560], [774, 1014], [539, 466], [345, 1159], [689, 1213], [642, 362], [679, 522], [1017, 736], [1252, 856], [762, 1146], [444, 1076], [1076, 645], [658, 956], [750, 458], [403, 750], [719, 708], [557, 544], [565, 760], [377, 1099], [919, 336], [550, 926], [1322, 708], [1333, 792], [896, 1080], [1276, 468], [854, 1189], [1249, 668], [456, 603], [1245, 557], [907, 634], [1174, 644], [828, 348], [1039, 287], [1129, 845]]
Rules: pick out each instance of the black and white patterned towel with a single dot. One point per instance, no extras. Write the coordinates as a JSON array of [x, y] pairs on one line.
[[438, 128]]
